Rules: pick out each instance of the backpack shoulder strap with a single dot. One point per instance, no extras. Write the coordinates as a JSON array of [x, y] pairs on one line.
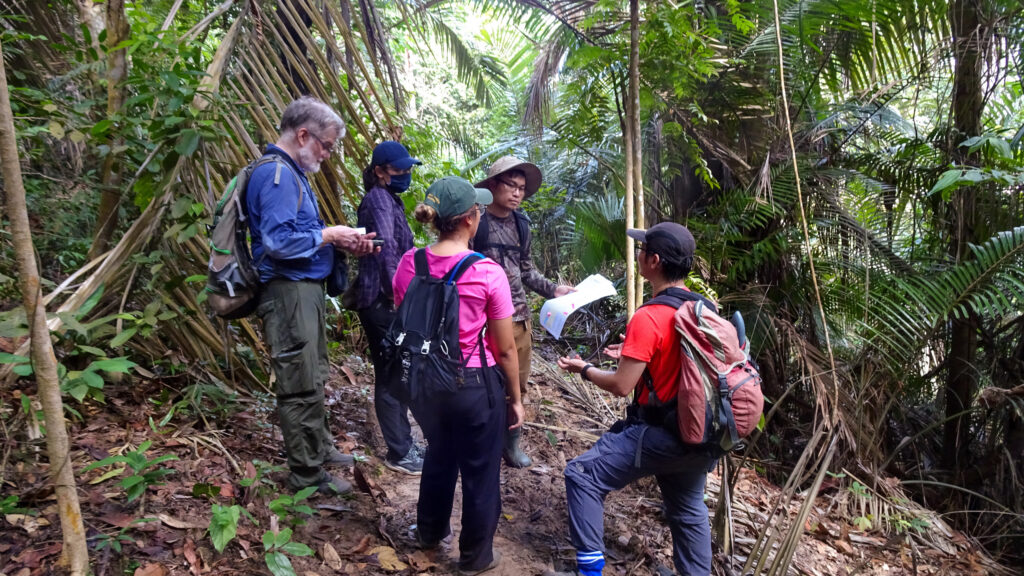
[[279, 160], [523, 229], [420, 259], [481, 241], [676, 297], [464, 264]]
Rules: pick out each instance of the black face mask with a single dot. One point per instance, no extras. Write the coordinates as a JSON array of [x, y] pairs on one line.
[[400, 183]]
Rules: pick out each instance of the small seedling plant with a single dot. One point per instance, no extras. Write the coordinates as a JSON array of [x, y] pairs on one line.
[[144, 471], [292, 510], [278, 547]]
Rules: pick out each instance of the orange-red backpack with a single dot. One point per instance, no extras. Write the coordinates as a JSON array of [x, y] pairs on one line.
[[719, 400]]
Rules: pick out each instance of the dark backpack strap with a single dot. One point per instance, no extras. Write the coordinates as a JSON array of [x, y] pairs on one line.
[[675, 297], [420, 259], [481, 242], [523, 229]]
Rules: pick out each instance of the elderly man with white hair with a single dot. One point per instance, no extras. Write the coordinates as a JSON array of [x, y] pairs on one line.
[[295, 252]]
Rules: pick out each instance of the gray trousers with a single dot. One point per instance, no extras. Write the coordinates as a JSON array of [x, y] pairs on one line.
[[295, 331], [626, 453]]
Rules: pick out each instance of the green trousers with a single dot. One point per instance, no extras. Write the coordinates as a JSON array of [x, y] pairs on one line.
[[296, 334]]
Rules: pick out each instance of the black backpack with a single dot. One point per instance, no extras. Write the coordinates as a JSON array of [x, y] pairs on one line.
[[232, 278], [482, 242], [421, 347]]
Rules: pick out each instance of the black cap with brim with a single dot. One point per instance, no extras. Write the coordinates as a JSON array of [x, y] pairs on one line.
[[671, 241]]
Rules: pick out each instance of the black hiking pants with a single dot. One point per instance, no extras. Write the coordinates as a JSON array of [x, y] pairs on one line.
[[464, 434], [392, 414]]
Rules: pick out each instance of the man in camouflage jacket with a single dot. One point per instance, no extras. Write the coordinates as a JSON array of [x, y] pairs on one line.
[[504, 236]]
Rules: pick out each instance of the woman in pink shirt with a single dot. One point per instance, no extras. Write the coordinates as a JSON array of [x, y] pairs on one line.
[[464, 429]]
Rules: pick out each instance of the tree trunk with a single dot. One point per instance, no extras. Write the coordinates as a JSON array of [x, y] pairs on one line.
[[117, 70], [627, 149], [74, 554], [634, 105], [90, 13], [962, 378]]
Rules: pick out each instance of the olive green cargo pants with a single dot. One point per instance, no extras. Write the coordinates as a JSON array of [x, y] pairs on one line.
[[296, 333]]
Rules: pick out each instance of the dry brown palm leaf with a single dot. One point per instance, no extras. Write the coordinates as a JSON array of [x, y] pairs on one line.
[[252, 68]]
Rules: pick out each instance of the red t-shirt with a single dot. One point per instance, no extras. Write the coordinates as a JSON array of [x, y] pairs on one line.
[[651, 337]]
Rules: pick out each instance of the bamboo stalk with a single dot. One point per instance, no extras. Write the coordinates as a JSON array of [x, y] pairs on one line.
[[633, 117]]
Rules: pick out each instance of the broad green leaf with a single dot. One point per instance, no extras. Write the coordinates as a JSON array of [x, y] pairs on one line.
[[79, 391], [304, 493], [131, 481], [105, 462], [223, 525], [279, 564], [136, 491], [110, 474], [92, 350], [120, 364], [90, 302], [188, 143], [123, 337], [92, 379], [948, 178], [268, 540], [283, 537], [6, 358], [297, 549]]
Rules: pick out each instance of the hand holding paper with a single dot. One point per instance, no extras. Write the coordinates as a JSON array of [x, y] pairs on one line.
[[555, 311]]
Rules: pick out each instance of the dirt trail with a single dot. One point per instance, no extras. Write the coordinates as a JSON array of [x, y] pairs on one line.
[[165, 532]]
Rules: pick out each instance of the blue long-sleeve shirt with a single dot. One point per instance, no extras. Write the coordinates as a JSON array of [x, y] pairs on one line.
[[382, 212], [287, 240]]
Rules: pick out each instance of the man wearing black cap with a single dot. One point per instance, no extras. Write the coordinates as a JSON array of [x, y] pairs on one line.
[[650, 359]]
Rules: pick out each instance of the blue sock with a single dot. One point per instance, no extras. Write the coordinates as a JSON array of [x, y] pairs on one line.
[[589, 563]]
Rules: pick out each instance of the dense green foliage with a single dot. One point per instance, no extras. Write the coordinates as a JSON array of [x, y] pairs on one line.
[[914, 225]]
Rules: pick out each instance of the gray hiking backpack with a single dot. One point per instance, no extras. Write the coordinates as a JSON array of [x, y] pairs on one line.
[[232, 279]]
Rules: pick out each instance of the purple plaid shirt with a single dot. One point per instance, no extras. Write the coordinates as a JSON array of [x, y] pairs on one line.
[[382, 212]]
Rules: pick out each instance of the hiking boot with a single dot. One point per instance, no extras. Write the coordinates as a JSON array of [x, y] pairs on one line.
[[336, 458], [333, 486], [494, 564], [514, 456], [411, 464], [423, 544]]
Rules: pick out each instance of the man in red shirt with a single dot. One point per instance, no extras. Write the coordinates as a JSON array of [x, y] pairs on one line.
[[639, 446]]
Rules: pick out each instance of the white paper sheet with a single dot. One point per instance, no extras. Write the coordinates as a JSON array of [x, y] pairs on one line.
[[554, 312]]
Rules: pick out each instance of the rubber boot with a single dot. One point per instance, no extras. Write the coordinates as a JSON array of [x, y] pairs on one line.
[[514, 456]]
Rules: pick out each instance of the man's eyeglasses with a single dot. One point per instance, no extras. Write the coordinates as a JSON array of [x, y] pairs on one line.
[[513, 185], [638, 249], [327, 146]]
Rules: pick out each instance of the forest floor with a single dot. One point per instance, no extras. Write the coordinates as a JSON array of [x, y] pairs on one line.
[[165, 531]]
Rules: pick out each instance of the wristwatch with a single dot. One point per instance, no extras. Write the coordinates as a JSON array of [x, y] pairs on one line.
[[583, 371]]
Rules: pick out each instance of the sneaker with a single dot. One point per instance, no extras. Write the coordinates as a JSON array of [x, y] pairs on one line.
[[336, 458], [411, 464], [333, 486], [494, 564]]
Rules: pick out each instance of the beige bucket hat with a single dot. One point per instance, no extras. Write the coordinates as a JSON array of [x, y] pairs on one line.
[[507, 163]]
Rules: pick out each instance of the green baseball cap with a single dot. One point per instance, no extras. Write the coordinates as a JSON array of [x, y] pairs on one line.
[[451, 196]]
